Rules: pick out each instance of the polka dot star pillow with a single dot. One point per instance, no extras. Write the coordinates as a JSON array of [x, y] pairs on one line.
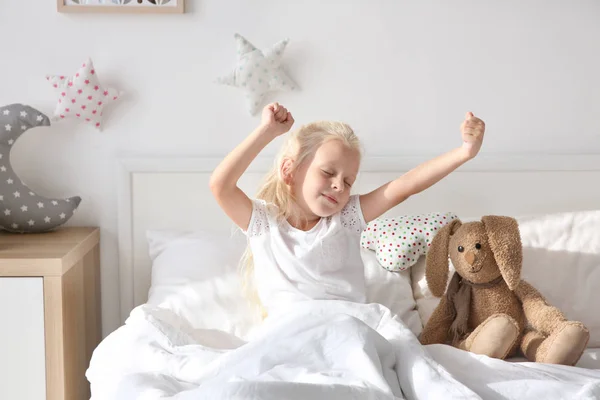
[[399, 242], [81, 96]]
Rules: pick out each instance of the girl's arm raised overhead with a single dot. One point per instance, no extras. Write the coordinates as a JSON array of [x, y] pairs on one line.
[[275, 121], [391, 194]]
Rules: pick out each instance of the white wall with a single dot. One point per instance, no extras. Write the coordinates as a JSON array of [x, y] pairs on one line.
[[402, 73]]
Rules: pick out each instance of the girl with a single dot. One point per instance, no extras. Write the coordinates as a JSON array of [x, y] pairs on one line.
[[304, 227]]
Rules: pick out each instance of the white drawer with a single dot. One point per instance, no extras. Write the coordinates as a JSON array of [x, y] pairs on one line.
[[22, 353]]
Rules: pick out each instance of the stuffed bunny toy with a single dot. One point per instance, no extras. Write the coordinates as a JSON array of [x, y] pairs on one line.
[[487, 308]]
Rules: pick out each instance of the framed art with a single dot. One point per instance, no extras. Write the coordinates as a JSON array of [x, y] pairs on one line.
[[121, 6]]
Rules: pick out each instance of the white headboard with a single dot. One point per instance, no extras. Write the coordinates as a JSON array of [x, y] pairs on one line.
[[173, 193]]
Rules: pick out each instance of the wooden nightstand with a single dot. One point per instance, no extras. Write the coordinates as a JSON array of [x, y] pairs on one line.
[[49, 313]]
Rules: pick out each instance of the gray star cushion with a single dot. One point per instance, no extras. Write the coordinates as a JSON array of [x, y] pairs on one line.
[[22, 210]]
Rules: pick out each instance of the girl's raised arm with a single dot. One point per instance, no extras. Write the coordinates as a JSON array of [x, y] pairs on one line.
[[275, 121], [423, 176]]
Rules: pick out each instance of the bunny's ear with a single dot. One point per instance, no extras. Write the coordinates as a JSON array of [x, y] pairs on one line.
[[505, 241], [436, 264]]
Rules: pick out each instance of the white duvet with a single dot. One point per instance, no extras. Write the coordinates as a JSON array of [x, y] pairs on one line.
[[317, 350]]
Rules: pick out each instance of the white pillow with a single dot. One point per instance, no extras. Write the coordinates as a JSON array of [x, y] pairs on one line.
[[196, 275], [426, 302], [392, 289], [561, 258]]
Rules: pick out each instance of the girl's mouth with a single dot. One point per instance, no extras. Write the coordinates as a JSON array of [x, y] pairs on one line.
[[330, 199]]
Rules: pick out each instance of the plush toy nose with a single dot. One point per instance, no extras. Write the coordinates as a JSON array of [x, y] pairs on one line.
[[470, 257]]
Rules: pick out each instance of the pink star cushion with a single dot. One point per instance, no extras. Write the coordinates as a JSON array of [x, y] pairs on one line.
[[399, 242], [82, 96]]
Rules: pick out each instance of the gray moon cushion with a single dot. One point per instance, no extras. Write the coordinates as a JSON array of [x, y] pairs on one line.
[[21, 209]]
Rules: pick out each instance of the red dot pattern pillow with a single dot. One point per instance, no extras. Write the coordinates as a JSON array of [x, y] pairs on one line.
[[82, 96], [399, 242]]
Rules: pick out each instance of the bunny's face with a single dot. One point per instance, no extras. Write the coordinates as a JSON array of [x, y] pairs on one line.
[[480, 252], [471, 255]]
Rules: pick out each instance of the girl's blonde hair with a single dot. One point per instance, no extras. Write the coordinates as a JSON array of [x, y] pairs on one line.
[[300, 146]]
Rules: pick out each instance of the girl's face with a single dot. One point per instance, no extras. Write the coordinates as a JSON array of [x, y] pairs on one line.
[[322, 184]]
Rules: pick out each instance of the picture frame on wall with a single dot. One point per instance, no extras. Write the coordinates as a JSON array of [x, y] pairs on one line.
[[121, 6]]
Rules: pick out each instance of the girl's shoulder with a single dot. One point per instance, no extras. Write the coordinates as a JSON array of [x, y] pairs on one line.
[[262, 214], [351, 215]]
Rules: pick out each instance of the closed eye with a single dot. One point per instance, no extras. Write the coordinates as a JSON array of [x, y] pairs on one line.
[[328, 173]]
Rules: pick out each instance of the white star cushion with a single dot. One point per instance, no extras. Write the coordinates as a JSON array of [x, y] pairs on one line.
[[258, 72], [82, 96]]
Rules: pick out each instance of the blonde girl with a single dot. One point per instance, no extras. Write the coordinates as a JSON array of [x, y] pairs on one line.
[[303, 226]]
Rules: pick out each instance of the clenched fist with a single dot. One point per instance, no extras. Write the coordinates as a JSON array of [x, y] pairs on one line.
[[472, 130], [277, 119]]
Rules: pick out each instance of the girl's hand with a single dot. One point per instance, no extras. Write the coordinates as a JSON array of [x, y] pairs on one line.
[[472, 130], [276, 119]]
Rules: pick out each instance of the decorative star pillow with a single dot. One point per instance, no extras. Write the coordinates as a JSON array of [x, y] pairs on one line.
[[399, 242], [258, 72], [82, 96]]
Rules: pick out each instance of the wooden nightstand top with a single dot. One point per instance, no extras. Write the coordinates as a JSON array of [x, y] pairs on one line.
[[45, 254]]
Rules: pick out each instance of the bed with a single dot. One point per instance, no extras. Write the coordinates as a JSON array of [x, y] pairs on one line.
[[189, 333]]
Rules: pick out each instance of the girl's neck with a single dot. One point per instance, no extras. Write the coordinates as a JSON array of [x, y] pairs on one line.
[[303, 223], [302, 219]]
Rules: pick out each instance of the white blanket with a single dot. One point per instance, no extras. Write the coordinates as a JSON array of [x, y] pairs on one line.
[[317, 350]]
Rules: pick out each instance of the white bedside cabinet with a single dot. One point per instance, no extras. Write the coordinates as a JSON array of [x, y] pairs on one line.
[[49, 313]]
